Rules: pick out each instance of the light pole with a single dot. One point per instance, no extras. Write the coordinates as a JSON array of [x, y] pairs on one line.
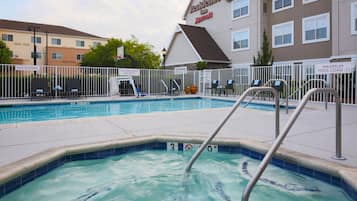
[[163, 52], [33, 28]]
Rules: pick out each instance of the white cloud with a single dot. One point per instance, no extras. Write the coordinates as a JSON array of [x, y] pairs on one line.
[[151, 21]]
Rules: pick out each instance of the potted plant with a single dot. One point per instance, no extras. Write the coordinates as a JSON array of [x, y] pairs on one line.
[[193, 89], [188, 89]]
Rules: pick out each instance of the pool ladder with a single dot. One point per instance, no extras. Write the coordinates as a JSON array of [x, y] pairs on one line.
[[280, 138]]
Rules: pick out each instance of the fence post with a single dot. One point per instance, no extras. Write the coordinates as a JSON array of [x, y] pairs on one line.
[[149, 78], [355, 82], [107, 81], [56, 81]]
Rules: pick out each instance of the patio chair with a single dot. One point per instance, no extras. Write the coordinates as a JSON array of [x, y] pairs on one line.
[[39, 88], [73, 87], [214, 86], [229, 86]]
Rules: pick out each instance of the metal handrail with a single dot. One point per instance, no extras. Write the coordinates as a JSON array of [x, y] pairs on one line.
[[286, 93], [307, 83], [235, 106], [167, 88], [289, 124], [178, 86]]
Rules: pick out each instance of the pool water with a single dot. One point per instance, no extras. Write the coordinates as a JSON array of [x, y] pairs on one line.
[[16, 114], [159, 176]]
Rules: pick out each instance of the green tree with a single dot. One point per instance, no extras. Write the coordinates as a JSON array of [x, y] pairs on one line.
[[265, 56], [5, 54], [201, 65], [136, 55]]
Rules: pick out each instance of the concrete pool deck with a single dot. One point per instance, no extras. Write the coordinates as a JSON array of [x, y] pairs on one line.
[[312, 134]]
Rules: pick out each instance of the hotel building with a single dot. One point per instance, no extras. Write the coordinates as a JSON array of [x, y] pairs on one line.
[[55, 45], [229, 33]]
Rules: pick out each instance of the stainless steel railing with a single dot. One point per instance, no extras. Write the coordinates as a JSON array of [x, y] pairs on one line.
[[289, 124], [286, 93], [226, 118], [165, 85]]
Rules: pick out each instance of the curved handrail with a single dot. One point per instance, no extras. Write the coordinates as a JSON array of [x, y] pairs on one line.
[[307, 83], [286, 93], [178, 86], [235, 107], [167, 88], [289, 124]]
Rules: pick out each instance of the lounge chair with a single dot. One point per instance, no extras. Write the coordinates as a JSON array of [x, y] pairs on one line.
[[73, 87], [229, 86], [39, 88]]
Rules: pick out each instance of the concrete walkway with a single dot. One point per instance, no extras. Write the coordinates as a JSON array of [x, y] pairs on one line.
[[313, 133]]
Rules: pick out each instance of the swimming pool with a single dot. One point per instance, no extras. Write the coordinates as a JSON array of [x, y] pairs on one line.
[[42, 112], [153, 175]]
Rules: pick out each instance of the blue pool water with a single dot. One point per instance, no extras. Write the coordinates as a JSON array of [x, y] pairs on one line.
[[159, 175], [43, 112]]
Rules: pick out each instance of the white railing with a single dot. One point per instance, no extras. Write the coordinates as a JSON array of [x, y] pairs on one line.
[[95, 80], [15, 84]]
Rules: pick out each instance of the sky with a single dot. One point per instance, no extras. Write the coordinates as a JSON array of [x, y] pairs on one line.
[[150, 21]]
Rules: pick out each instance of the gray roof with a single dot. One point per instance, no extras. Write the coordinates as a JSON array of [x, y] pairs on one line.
[[43, 28]]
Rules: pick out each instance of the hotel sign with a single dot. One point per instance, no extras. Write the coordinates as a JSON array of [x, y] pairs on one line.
[[334, 68], [203, 4], [27, 68], [204, 17]]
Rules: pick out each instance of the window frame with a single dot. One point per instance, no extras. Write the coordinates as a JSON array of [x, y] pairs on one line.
[[38, 40], [95, 44], [38, 55], [80, 56], [304, 41], [7, 37], [240, 31], [56, 58], [80, 42], [274, 10], [308, 1], [353, 18], [292, 34], [242, 16], [56, 39]]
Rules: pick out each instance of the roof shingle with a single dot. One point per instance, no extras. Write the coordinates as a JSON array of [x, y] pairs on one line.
[[204, 44]]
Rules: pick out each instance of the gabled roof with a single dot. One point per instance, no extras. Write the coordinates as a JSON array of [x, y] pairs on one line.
[[43, 28], [203, 43]]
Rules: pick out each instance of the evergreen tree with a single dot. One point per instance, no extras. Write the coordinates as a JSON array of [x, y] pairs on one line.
[[265, 56], [5, 54]]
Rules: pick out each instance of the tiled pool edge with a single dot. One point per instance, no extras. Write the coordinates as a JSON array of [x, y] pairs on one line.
[[15, 175]]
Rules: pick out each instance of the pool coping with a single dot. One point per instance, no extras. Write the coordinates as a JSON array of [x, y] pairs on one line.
[[17, 169]]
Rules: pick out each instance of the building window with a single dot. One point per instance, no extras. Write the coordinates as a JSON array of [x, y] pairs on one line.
[[95, 44], [240, 39], [38, 39], [7, 37], [38, 55], [56, 56], [283, 34], [240, 8], [354, 18], [316, 28], [279, 5], [56, 41], [79, 57], [308, 1], [80, 43]]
